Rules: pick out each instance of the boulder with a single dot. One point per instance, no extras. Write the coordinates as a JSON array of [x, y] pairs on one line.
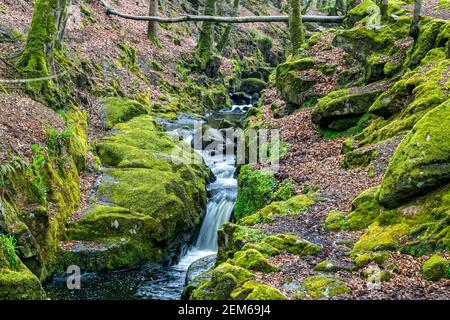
[[422, 160], [252, 85]]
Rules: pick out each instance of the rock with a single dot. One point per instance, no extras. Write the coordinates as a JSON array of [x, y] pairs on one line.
[[327, 266], [366, 258], [335, 221], [119, 109], [290, 83], [200, 266], [365, 209], [341, 109], [252, 290], [252, 85], [359, 158], [362, 11], [435, 268], [241, 98], [421, 162], [317, 287], [254, 260]]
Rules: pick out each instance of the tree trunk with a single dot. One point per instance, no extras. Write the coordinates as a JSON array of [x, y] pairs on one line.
[[153, 27], [226, 34], [205, 43], [414, 30], [44, 36], [296, 25]]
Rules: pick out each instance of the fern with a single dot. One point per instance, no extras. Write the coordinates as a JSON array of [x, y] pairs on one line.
[[9, 245]]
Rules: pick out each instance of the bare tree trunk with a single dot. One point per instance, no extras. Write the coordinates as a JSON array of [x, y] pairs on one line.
[[306, 6], [153, 27], [384, 9], [296, 25], [226, 34], [414, 30]]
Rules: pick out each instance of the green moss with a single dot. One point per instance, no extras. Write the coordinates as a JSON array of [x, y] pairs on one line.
[[264, 248], [264, 292], [17, 282], [77, 123], [204, 50], [379, 238], [289, 83], [317, 287], [335, 221], [364, 259], [253, 260], [252, 85], [326, 266], [340, 105], [254, 191], [359, 158], [443, 4], [119, 110], [294, 205], [285, 191], [365, 209], [421, 161], [435, 268], [362, 11], [426, 41], [297, 33], [225, 279], [292, 244]]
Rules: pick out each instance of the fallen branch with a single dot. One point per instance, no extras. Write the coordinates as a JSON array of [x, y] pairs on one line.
[[217, 19]]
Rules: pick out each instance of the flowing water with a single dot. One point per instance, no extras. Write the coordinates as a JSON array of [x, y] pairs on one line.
[[167, 282]]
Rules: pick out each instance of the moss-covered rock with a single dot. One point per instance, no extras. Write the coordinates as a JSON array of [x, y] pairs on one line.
[[380, 238], [365, 209], [362, 11], [317, 287], [225, 279], [294, 205], [435, 268], [421, 162], [252, 85], [335, 221], [118, 109], [364, 259], [252, 259], [290, 83], [292, 244], [326, 266], [359, 158], [253, 290], [349, 104], [17, 282], [254, 191], [153, 196]]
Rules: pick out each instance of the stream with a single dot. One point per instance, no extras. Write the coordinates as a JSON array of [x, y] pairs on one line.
[[154, 281]]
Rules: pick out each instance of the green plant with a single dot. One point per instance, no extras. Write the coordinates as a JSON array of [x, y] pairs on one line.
[[56, 141], [37, 175], [9, 245], [9, 168]]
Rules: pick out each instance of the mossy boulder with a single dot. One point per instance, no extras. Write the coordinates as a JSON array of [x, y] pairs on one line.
[[252, 85], [255, 189], [252, 290], [380, 238], [16, 281], [252, 259], [359, 158], [290, 243], [365, 9], [335, 221], [153, 194], [118, 109], [435, 268], [294, 205], [225, 278], [365, 209], [346, 104], [317, 287], [364, 259], [326, 266], [290, 83], [421, 161]]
